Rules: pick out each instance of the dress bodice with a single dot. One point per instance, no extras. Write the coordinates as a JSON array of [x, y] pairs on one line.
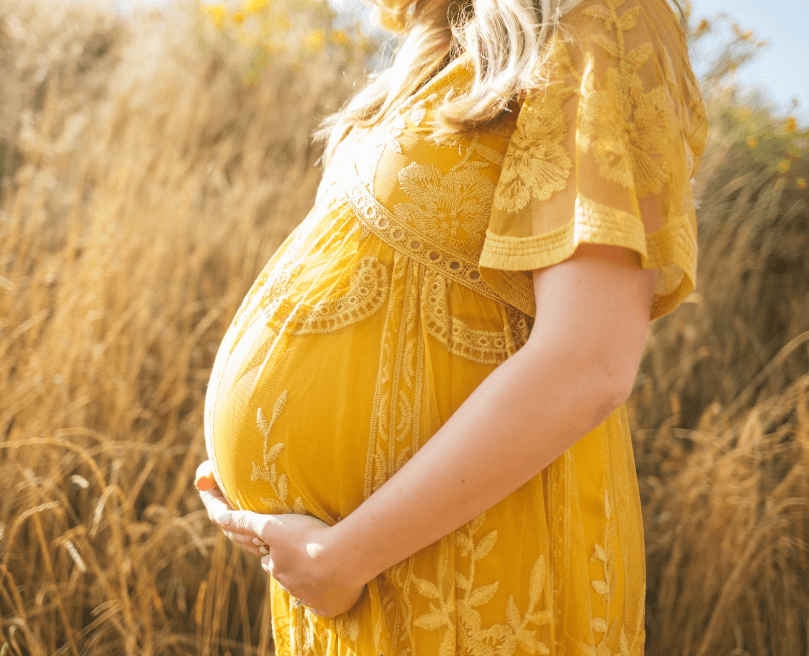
[[429, 200]]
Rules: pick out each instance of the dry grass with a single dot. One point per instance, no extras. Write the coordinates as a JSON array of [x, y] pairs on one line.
[[721, 409], [145, 185], [149, 191]]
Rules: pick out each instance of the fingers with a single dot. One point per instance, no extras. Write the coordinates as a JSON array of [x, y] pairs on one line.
[[215, 503], [204, 478], [267, 566], [246, 543], [250, 523]]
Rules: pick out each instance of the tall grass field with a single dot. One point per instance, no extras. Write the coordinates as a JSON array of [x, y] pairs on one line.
[[148, 169]]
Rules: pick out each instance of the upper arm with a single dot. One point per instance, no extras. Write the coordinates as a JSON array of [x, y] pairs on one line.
[[595, 305]]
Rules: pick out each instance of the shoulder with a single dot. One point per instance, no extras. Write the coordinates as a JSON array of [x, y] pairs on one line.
[[628, 49], [623, 15], [629, 32]]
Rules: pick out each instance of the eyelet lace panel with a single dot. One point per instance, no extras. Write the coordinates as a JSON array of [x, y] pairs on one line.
[[368, 289], [482, 346], [385, 225]]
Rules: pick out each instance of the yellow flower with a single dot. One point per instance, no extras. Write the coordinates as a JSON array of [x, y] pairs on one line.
[[238, 17], [703, 27], [217, 15], [791, 126], [279, 22], [313, 41], [752, 141], [801, 183], [254, 6], [783, 166], [339, 37], [273, 47]]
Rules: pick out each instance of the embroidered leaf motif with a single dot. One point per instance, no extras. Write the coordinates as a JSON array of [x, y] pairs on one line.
[[427, 589], [629, 19], [431, 621], [485, 546], [447, 644], [599, 625], [268, 471], [637, 57], [483, 594], [498, 638], [465, 543], [513, 614], [275, 506], [537, 582], [607, 45], [597, 11], [537, 162]]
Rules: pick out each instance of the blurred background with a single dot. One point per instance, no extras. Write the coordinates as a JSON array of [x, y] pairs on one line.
[[152, 159]]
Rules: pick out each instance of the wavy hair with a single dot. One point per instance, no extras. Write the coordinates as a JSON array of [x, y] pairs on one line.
[[505, 39]]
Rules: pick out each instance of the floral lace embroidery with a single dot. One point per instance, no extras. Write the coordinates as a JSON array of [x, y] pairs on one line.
[[347, 625], [500, 639], [627, 128], [421, 247], [368, 152], [605, 588], [442, 604], [536, 161], [269, 301], [454, 207], [267, 471], [367, 292], [394, 433], [482, 346]]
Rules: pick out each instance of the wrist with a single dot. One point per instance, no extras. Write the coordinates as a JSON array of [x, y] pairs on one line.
[[346, 557]]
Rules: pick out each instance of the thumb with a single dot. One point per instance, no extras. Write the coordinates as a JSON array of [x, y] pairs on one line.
[[265, 527], [204, 478]]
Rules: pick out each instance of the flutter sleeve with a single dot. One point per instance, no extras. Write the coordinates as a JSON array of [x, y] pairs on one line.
[[604, 149]]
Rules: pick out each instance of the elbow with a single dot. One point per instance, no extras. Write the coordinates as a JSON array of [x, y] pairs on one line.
[[618, 379]]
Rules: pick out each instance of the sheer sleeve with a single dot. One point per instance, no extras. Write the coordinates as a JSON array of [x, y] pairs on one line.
[[604, 150]]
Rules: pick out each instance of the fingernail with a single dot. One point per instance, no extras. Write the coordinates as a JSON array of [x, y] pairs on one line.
[[222, 518], [257, 542], [264, 550]]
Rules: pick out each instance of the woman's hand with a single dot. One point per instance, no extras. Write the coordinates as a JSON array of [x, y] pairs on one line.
[[295, 550]]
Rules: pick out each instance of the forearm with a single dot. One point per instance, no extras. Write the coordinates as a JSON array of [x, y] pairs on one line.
[[525, 414]]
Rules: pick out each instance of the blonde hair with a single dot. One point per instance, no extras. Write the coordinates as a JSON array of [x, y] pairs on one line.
[[504, 38]]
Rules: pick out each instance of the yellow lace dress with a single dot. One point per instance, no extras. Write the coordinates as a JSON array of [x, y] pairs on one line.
[[407, 284]]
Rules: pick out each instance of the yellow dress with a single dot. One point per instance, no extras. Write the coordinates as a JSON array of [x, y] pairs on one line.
[[407, 284]]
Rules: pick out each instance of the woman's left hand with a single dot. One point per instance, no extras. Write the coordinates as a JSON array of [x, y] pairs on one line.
[[296, 551]]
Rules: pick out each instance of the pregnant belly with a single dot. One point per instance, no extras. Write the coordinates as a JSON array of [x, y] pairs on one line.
[[289, 425]]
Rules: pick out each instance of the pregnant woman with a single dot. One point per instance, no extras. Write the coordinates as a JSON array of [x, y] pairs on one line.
[[416, 418]]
